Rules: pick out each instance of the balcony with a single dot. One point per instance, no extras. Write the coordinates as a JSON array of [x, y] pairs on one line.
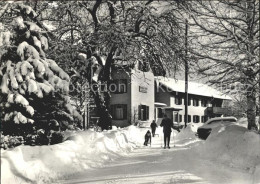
[[216, 111]]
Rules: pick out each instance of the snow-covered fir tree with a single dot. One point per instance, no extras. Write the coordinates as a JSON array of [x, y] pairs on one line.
[[34, 90]]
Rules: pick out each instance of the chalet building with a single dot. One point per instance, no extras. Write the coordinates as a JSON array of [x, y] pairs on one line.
[[138, 97], [204, 102], [132, 95]]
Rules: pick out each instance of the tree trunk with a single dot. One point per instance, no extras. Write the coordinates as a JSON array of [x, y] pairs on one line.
[[251, 109], [259, 102], [105, 119], [251, 91]]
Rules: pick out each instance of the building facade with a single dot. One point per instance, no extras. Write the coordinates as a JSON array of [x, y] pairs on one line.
[[204, 102], [132, 97], [137, 97]]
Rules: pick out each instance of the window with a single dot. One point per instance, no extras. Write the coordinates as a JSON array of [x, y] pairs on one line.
[[189, 101], [118, 86], [203, 119], [195, 102], [204, 103], [143, 112], [119, 111], [180, 118], [176, 118], [189, 118], [178, 100], [196, 119]]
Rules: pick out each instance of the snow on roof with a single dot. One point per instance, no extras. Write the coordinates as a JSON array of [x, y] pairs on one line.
[[193, 88]]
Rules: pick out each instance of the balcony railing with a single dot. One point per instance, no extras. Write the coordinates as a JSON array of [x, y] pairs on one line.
[[216, 111]]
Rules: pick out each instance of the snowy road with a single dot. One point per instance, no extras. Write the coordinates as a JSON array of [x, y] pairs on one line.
[[157, 165]]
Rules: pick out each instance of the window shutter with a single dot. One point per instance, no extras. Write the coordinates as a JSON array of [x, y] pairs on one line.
[[189, 118], [139, 112], [125, 83], [125, 111], [147, 112]]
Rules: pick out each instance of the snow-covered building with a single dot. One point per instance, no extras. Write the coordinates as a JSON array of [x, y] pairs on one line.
[[132, 95], [203, 101], [139, 97]]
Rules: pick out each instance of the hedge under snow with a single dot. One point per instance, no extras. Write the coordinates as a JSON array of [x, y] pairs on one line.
[[86, 149]]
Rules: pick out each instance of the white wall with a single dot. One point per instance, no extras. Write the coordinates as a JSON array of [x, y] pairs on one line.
[[133, 98], [144, 79], [122, 98]]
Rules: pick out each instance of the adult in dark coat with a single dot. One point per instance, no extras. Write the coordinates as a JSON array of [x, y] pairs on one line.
[[153, 127], [167, 125]]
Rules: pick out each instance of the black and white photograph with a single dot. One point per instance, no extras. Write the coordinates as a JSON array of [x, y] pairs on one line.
[[130, 92]]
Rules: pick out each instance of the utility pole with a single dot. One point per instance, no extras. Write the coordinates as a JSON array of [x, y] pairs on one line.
[[186, 99]]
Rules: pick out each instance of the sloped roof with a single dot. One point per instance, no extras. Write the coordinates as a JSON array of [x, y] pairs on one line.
[[193, 88]]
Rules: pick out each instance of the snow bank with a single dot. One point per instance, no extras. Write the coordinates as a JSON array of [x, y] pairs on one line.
[[234, 146], [187, 136], [84, 150]]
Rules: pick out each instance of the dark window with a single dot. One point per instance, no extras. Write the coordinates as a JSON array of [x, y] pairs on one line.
[[189, 101], [189, 118], [178, 100], [203, 119], [204, 103], [195, 102], [175, 118], [143, 112], [118, 86], [119, 111], [180, 118], [196, 119]]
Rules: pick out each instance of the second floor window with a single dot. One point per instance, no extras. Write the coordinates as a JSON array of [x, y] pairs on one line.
[[204, 103], [178, 100], [189, 102], [195, 102]]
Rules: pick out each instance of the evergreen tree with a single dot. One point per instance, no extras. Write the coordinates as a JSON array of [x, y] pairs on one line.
[[34, 90]]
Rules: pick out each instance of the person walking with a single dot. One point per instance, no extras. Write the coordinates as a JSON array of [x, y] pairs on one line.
[[153, 127], [167, 125]]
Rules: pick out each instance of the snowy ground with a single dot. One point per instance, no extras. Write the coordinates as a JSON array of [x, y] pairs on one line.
[[157, 165], [229, 155], [180, 164]]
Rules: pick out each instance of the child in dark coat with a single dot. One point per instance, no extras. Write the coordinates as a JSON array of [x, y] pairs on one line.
[[147, 138]]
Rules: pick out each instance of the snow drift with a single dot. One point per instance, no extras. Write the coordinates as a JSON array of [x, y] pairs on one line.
[[85, 150], [234, 146]]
